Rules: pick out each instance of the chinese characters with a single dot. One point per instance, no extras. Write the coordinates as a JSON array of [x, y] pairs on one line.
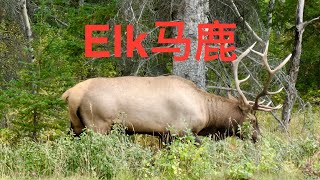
[[217, 40]]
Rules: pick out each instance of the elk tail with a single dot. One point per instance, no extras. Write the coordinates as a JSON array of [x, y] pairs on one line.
[[73, 101], [65, 95]]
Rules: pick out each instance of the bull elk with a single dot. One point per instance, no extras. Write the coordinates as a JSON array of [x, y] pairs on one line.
[[153, 104]]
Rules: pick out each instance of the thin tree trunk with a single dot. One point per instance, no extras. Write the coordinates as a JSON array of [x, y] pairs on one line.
[[269, 17], [26, 22], [294, 66], [4, 120], [28, 31], [81, 2], [192, 12]]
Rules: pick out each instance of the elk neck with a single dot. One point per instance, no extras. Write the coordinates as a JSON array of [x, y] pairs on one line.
[[221, 110]]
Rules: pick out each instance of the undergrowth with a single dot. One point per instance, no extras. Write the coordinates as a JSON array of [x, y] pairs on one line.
[[277, 155]]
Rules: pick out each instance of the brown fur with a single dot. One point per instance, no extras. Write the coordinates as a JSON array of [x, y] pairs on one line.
[[151, 105]]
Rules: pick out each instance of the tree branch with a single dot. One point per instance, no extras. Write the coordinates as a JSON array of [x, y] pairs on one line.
[[304, 24], [246, 23]]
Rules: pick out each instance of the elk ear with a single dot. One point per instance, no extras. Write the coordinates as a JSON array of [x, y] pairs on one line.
[[231, 97]]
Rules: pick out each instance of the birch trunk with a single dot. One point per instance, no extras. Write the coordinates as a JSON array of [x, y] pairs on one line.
[[26, 21], [269, 17], [28, 31], [294, 66]]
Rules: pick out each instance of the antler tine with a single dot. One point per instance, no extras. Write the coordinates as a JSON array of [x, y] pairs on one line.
[[271, 73], [275, 92], [265, 60], [264, 57], [261, 102], [268, 108], [235, 64], [283, 63], [252, 102]]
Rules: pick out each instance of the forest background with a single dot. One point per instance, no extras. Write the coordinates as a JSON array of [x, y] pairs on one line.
[[36, 69]]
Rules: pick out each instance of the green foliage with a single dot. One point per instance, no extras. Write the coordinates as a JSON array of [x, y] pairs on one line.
[[115, 156], [283, 35], [30, 104], [282, 41], [182, 159], [31, 93], [314, 97], [95, 154], [246, 130]]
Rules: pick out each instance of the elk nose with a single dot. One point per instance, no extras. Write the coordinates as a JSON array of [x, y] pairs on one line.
[[255, 136]]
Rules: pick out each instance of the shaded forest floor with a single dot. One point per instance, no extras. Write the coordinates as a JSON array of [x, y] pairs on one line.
[[278, 155]]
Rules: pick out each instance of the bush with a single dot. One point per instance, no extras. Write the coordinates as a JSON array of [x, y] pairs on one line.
[[277, 155]]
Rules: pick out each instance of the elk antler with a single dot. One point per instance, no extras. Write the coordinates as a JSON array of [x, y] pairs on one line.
[[271, 73], [256, 105], [235, 64]]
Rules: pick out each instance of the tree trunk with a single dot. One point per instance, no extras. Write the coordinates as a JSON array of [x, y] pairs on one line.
[[81, 2], [192, 13], [28, 31], [294, 66], [4, 120], [26, 21], [269, 17]]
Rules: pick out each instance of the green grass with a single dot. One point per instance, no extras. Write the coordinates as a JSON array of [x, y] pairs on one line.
[[277, 155]]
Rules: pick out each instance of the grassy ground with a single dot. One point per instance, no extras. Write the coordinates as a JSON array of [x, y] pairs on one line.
[[278, 155]]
